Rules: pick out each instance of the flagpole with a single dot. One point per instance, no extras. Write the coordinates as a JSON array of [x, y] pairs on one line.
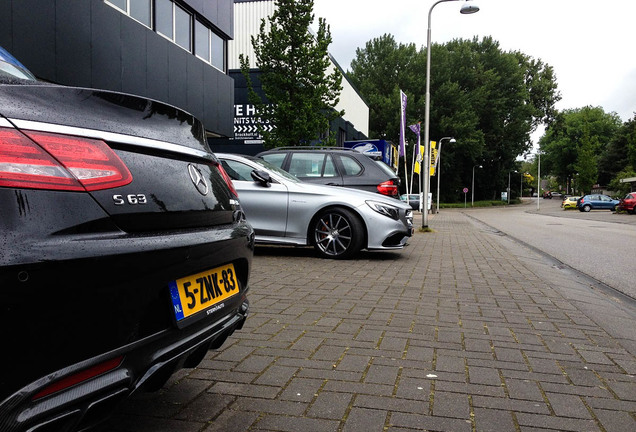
[[412, 171], [406, 177]]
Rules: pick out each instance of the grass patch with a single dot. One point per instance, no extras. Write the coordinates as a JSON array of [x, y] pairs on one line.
[[493, 203]]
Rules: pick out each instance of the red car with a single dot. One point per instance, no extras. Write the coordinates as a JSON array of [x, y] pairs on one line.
[[628, 203]]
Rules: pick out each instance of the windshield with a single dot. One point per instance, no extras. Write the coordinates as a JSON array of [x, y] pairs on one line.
[[276, 170], [12, 68]]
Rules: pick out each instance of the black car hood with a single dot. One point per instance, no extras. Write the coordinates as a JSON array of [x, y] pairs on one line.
[[105, 110]]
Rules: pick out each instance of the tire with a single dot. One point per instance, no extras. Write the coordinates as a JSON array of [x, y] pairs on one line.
[[337, 234], [586, 208], [633, 210]]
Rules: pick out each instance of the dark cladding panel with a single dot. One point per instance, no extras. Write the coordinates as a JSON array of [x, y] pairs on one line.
[[6, 26], [34, 36], [106, 42], [211, 94], [157, 58], [134, 57], [195, 86], [177, 76], [73, 43], [226, 105], [219, 12]]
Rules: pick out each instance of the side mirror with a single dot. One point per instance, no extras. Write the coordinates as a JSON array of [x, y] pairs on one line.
[[261, 177]]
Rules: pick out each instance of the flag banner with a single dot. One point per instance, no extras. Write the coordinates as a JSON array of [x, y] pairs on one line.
[[420, 152], [415, 128], [402, 123], [433, 158]]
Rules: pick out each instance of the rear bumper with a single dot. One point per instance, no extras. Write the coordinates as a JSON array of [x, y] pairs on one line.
[[77, 294], [146, 364]]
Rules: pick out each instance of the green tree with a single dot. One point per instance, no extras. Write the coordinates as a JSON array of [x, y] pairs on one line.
[[575, 141], [489, 100], [620, 154], [300, 91]]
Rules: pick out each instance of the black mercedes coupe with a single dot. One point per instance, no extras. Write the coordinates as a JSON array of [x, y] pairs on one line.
[[124, 252]]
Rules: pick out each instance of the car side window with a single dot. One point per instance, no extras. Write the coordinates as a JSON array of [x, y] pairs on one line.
[[237, 170], [311, 165], [275, 158], [351, 166]]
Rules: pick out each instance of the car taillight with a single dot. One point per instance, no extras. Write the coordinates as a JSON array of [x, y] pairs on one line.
[[227, 179], [40, 160], [388, 188], [79, 377]]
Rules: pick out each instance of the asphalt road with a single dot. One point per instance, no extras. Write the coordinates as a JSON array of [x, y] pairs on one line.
[[600, 244]]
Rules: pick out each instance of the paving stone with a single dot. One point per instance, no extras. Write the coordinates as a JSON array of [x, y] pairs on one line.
[[493, 420], [450, 405], [481, 375], [361, 419], [567, 405], [295, 424], [556, 423], [616, 421], [330, 405], [419, 339]]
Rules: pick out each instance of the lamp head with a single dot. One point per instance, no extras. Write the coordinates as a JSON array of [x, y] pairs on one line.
[[452, 141], [469, 9]]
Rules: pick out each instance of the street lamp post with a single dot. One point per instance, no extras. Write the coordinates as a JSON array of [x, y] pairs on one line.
[[538, 179], [509, 172], [439, 165], [424, 178], [472, 188]]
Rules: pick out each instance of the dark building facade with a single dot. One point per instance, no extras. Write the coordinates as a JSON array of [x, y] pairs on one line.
[[174, 51]]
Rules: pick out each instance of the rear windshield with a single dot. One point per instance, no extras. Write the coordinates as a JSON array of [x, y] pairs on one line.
[[386, 168], [11, 68]]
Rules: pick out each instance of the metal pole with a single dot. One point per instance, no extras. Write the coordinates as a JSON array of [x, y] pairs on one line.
[[508, 191], [438, 164], [538, 179], [426, 172], [472, 189], [438, 172]]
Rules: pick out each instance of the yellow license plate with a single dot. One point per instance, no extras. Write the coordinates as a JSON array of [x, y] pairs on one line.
[[203, 290]]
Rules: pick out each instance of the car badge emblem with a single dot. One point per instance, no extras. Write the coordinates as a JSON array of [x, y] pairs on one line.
[[197, 179]]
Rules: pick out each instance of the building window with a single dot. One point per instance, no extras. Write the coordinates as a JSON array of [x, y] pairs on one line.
[[175, 23], [209, 46], [218, 51], [202, 41], [141, 10], [164, 18], [182, 28]]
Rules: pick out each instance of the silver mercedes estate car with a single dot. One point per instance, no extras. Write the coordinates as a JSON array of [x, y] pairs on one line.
[[338, 222]]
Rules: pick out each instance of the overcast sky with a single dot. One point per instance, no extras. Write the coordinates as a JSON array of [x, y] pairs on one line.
[[590, 44]]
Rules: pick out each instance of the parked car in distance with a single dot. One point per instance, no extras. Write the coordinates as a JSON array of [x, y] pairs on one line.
[[335, 166], [569, 202], [337, 222], [412, 199], [126, 255], [596, 202], [628, 203]]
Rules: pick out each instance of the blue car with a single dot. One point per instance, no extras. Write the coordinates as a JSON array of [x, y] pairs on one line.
[[596, 202]]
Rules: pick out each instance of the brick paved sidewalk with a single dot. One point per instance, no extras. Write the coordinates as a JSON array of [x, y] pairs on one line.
[[462, 331]]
